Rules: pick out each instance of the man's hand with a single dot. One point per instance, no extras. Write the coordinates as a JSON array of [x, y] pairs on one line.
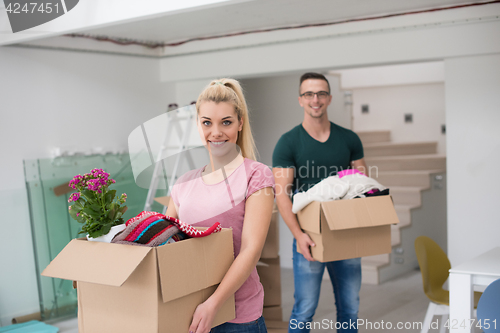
[[304, 242]]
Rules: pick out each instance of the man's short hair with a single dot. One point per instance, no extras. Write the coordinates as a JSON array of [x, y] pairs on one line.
[[313, 76]]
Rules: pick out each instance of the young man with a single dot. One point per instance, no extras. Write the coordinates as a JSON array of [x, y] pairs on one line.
[[310, 152]]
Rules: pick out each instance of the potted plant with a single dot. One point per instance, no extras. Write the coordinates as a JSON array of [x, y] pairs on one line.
[[95, 205]]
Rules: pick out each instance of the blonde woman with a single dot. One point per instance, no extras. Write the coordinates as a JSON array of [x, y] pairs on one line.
[[236, 191]]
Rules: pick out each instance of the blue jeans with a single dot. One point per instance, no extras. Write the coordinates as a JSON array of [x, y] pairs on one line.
[[256, 326], [345, 276]]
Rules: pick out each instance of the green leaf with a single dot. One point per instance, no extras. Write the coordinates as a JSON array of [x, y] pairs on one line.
[[111, 214], [77, 207], [103, 230], [110, 195], [91, 212], [73, 213], [106, 228], [96, 207], [93, 229], [89, 194]]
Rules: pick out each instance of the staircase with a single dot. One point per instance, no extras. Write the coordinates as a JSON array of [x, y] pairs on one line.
[[416, 176]]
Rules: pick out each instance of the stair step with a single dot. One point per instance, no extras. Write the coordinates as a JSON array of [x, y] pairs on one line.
[[396, 149], [377, 260], [370, 268], [404, 215], [374, 136], [395, 235], [369, 274], [411, 162], [405, 195], [419, 178]]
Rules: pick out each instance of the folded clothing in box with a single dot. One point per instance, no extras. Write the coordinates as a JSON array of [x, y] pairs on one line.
[[155, 229], [347, 184]]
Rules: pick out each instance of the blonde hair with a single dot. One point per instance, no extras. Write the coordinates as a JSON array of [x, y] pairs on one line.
[[229, 90]]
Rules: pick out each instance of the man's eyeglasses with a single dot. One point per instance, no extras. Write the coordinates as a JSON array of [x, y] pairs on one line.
[[320, 94]]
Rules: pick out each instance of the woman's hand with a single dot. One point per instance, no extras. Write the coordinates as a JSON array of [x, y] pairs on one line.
[[203, 317]]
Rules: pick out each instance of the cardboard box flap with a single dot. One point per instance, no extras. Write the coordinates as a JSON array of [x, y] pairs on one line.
[[309, 217], [165, 201], [356, 213], [194, 264], [96, 262]]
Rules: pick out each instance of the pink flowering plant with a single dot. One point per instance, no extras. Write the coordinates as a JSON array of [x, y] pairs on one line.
[[95, 205]]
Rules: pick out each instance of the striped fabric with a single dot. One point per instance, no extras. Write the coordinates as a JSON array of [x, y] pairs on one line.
[[155, 229], [186, 228], [148, 230], [141, 227], [192, 231]]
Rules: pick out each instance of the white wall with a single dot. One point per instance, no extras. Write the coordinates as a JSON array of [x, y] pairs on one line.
[[77, 101], [389, 104], [392, 75], [391, 91], [188, 91], [473, 154]]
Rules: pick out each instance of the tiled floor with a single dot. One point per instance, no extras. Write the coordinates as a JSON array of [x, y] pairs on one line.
[[398, 301]]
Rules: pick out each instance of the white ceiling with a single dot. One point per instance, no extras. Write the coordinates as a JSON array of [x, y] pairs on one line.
[[238, 16]]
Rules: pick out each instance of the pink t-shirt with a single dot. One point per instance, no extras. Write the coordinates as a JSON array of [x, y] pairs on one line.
[[202, 205]]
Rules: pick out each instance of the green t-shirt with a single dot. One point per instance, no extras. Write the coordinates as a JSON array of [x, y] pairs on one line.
[[312, 160]]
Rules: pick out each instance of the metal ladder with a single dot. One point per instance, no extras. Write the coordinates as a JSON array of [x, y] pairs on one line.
[[175, 117]]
